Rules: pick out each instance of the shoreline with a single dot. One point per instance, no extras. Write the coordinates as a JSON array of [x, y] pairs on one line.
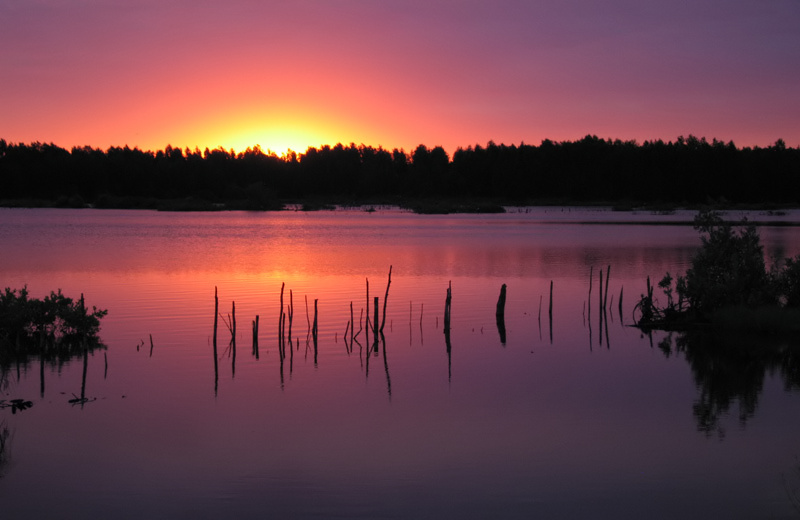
[[602, 213]]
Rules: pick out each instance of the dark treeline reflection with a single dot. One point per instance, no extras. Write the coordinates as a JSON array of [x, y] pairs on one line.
[[688, 170], [731, 371]]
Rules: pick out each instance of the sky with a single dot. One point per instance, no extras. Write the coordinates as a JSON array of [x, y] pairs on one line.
[[396, 73]]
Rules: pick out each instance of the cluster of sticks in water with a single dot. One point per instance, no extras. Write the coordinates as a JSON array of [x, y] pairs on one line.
[[285, 333], [376, 324]]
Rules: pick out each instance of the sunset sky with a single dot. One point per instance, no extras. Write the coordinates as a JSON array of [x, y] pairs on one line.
[[293, 74]]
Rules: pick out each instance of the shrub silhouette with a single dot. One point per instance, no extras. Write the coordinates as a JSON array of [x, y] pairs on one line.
[[728, 271], [54, 321]]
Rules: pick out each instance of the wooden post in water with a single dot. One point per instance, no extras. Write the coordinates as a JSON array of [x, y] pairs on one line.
[[352, 326], [500, 314], [591, 273], [255, 337], [608, 277], [501, 302], [620, 303], [151, 345]]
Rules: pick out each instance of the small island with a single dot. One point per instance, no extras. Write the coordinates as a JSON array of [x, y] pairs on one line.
[[728, 286]]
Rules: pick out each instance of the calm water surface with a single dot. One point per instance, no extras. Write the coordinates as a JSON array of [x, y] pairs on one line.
[[572, 418]]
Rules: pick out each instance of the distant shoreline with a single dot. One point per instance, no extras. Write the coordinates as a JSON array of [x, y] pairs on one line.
[[659, 176], [435, 207]]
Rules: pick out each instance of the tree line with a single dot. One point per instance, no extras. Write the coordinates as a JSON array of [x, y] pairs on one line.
[[686, 171]]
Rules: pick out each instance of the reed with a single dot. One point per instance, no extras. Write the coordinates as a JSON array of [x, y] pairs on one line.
[[550, 312], [367, 322], [233, 334], [280, 322], [375, 329], [314, 329], [360, 323], [386, 298], [601, 291], [216, 362], [291, 315]]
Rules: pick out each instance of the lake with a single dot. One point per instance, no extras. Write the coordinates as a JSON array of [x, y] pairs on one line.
[[578, 415]]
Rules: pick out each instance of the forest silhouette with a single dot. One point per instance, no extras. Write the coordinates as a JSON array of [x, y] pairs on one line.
[[685, 172]]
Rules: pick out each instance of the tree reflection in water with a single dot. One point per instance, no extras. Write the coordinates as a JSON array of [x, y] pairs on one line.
[[731, 369], [4, 441]]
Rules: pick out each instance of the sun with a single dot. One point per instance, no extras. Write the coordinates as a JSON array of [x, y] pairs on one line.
[[279, 140], [277, 133], [273, 130]]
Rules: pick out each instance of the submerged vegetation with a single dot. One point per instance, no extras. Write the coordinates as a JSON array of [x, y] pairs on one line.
[[54, 327], [727, 285], [688, 171]]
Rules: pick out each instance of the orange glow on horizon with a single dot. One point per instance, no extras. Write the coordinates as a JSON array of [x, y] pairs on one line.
[[281, 132], [279, 139]]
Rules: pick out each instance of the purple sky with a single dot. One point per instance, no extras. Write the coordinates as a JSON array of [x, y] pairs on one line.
[[396, 73]]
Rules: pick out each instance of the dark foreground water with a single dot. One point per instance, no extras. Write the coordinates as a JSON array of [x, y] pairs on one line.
[[578, 417]]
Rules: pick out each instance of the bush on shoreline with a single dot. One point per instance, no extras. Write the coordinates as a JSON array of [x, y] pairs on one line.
[[727, 284]]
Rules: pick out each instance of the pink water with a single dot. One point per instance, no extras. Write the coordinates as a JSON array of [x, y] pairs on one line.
[[564, 421]]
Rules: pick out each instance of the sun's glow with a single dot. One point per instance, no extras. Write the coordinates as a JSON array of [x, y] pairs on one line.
[[276, 133], [278, 139]]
